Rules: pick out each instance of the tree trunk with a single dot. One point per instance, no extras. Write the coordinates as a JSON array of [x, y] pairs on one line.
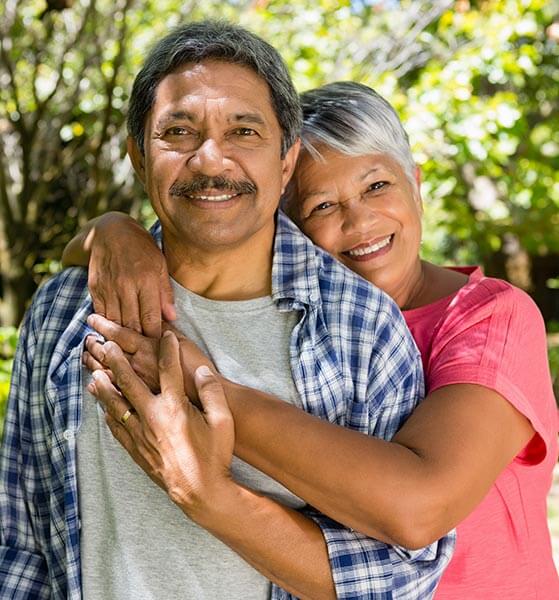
[[18, 286], [545, 268]]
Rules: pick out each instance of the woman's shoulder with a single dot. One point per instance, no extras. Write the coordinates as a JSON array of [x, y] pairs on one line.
[[497, 297]]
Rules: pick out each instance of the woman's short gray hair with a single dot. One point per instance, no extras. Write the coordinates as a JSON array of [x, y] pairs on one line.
[[222, 41], [353, 119]]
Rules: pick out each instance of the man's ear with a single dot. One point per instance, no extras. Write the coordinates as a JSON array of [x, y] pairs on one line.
[[289, 162], [136, 157]]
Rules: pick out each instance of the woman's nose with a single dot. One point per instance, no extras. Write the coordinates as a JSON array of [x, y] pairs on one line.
[[358, 217]]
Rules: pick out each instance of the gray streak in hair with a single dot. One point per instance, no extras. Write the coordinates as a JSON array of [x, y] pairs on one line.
[[353, 119]]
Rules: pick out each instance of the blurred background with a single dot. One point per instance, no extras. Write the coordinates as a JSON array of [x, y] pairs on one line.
[[475, 82]]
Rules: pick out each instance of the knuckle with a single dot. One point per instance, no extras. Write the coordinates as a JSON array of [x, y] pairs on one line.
[[165, 363], [151, 315], [212, 388], [112, 351], [125, 380], [121, 281], [93, 281], [132, 323]]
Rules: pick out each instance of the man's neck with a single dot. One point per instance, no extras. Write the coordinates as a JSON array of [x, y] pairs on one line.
[[240, 273]]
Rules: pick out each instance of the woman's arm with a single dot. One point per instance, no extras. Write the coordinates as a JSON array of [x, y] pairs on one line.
[[128, 278], [409, 491]]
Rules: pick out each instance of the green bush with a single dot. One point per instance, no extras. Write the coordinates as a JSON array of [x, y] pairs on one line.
[[554, 367], [8, 341]]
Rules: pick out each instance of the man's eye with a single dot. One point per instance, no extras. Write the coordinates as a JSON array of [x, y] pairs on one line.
[[245, 131], [177, 131]]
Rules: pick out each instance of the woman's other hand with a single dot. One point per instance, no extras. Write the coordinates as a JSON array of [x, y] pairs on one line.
[[128, 278]]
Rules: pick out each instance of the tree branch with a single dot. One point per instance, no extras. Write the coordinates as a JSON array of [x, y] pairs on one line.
[[118, 61], [5, 207], [7, 64]]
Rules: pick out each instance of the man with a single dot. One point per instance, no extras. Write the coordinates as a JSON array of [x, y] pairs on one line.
[[213, 125]]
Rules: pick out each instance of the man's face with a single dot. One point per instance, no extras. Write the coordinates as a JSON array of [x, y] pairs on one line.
[[212, 166]]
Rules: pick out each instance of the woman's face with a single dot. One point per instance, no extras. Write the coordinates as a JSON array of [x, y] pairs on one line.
[[366, 213]]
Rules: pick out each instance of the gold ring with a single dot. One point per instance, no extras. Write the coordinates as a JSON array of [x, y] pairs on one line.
[[126, 415]]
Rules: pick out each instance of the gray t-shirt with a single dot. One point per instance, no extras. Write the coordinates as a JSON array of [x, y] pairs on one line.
[[135, 543]]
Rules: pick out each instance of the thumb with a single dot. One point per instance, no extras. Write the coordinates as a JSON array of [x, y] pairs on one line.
[[167, 297], [212, 397]]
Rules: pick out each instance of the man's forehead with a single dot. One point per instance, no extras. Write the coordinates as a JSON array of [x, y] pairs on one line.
[[213, 84]]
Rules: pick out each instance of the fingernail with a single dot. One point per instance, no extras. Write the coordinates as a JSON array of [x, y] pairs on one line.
[[96, 375], [204, 371], [168, 333], [91, 388]]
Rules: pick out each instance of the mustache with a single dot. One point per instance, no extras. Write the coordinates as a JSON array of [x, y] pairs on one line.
[[203, 182]]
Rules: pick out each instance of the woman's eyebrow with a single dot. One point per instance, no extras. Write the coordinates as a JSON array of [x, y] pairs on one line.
[[369, 172]]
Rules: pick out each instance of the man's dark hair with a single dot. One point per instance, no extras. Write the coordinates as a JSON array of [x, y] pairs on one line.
[[223, 41]]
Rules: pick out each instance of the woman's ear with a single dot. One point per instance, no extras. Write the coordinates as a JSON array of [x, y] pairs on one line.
[[136, 158], [417, 177]]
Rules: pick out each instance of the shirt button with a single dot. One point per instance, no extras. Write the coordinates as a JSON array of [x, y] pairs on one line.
[[313, 297], [68, 435]]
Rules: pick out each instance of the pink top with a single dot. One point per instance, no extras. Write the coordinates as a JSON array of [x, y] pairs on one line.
[[492, 334]]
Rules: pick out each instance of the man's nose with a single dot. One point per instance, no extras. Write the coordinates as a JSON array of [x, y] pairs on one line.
[[208, 159], [359, 217]]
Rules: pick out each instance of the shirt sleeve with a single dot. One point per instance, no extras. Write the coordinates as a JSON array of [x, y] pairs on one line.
[[23, 568], [364, 568], [494, 336]]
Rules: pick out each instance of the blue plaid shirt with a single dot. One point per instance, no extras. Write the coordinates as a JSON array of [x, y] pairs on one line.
[[353, 361]]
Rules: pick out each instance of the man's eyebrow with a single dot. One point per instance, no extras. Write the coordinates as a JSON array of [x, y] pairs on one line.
[[184, 115], [254, 118], [175, 116]]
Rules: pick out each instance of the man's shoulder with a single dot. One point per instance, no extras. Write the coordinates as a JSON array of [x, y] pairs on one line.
[[342, 287], [306, 266], [58, 299]]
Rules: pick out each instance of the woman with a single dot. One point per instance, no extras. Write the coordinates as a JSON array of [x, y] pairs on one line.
[[481, 447]]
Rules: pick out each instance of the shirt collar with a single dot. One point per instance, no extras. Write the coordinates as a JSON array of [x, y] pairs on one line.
[[295, 266]]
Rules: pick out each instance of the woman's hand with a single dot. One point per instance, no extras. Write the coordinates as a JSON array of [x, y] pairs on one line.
[[141, 352], [128, 277], [185, 450]]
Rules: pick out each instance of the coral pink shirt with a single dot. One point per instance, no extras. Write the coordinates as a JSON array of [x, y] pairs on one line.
[[492, 334]]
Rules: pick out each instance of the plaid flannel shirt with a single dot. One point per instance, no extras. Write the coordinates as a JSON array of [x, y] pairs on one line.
[[353, 362]]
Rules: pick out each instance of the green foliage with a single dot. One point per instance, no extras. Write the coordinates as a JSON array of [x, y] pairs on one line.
[[476, 82], [8, 341], [485, 125]]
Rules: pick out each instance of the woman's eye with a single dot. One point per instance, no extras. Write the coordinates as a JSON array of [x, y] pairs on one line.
[[376, 186], [321, 207]]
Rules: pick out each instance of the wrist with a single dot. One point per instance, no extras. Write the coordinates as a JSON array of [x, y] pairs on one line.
[[212, 508]]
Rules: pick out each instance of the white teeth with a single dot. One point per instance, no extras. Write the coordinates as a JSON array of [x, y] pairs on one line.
[[214, 198], [370, 249]]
